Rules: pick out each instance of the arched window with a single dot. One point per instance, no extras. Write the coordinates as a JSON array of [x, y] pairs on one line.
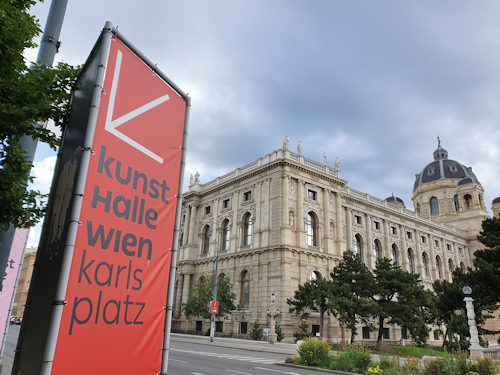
[[434, 205], [395, 254], [314, 275], [205, 240], [247, 229], [358, 245], [225, 235], [425, 264], [468, 201], [411, 261], [202, 280], [245, 289], [455, 201], [439, 267], [462, 266], [220, 278], [377, 249], [451, 265], [311, 229]]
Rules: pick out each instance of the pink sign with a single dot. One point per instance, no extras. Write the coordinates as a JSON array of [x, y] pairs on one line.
[[11, 271]]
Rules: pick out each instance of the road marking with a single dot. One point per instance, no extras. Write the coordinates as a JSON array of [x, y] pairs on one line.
[[177, 360], [238, 372], [196, 373], [273, 370], [265, 361]]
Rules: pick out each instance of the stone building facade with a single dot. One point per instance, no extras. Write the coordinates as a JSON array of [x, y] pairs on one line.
[[284, 219]]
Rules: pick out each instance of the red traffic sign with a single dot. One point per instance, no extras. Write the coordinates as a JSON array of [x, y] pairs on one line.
[[214, 307]]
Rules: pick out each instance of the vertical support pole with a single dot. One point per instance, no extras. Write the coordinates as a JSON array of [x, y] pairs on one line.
[[173, 263]]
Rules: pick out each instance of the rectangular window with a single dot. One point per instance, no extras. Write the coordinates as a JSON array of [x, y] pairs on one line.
[[357, 219], [207, 210], [404, 334], [183, 219], [394, 230], [243, 328], [199, 325], [408, 235], [423, 239], [247, 196], [376, 225], [218, 326], [460, 251], [225, 203], [386, 334], [448, 247], [366, 333], [436, 243], [437, 334], [313, 195], [315, 329]]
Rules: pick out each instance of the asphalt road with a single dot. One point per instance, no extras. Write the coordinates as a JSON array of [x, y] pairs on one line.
[[200, 358]]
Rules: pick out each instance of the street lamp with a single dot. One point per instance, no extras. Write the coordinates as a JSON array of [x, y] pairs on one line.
[[475, 348], [214, 296]]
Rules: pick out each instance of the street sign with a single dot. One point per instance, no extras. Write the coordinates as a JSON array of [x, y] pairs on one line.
[[214, 307]]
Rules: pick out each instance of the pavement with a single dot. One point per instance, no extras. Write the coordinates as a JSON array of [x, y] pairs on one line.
[[229, 342]]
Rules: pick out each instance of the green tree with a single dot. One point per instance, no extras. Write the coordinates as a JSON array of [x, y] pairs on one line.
[[401, 299], [313, 295], [202, 293], [352, 289], [28, 97]]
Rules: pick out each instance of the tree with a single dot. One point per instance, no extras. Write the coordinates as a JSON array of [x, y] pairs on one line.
[[352, 287], [312, 295], [29, 97], [197, 305], [401, 299]]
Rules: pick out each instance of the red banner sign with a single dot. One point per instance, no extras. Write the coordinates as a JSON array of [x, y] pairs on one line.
[[214, 307], [114, 318]]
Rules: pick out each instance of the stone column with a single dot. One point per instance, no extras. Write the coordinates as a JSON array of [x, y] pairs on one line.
[[418, 256], [185, 287], [338, 224], [301, 240], [387, 240], [186, 226], [475, 348], [401, 258], [178, 296], [235, 236], [326, 222], [433, 267], [192, 225], [257, 225], [370, 256], [348, 224]]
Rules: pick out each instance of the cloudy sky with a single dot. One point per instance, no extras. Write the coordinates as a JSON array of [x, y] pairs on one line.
[[372, 82]]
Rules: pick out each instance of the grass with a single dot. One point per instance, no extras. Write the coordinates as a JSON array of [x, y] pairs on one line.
[[412, 351]]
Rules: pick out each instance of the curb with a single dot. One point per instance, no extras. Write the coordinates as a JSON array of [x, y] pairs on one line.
[[319, 369]]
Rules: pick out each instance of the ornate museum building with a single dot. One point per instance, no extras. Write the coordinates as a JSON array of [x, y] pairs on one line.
[[284, 219]]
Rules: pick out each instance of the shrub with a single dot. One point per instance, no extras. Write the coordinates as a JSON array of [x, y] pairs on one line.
[[302, 333], [448, 366], [483, 366], [256, 333], [279, 333], [314, 352], [353, 358]]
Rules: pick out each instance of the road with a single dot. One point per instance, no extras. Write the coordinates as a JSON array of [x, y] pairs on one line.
[[206, 359], [195, 355]]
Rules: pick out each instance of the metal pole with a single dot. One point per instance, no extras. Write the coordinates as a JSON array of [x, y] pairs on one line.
[[173, 262], [214, 298], [46, 53], [58, 304]]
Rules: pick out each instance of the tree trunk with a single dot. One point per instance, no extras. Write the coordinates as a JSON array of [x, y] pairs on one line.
[[321, 317], [380, 331], [352, 336]]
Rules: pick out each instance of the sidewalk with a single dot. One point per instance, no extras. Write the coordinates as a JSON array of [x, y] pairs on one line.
[[229, 342]]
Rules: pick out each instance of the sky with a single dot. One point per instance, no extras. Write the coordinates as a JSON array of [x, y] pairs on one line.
[[370, 82]]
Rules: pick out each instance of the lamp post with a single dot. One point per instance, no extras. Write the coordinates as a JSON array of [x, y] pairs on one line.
[[214, 296], [272, 314], [475, 349]]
